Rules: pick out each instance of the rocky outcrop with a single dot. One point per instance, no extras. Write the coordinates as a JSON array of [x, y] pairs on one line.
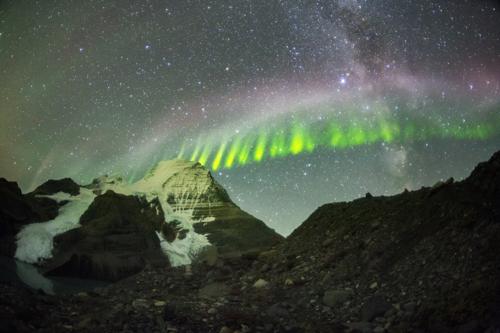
[[237, 231], [116, 239], [15, 212], [65, 185], [18, 210]]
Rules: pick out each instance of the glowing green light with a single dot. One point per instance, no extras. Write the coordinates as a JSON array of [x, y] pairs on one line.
[[195, 153], [233, 151], [245, 151], [337, 136], [386, 131], [283, 138], [260, 147], [181, 152], [297, 144], [218, 156], [278, 145], [301, 140], [355, 135], [205, 155], [409, 132]]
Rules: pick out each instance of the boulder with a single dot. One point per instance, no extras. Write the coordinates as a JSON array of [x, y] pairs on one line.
[[15, 212], [260, 283], [374, 307], [333, 298], [214, 290]]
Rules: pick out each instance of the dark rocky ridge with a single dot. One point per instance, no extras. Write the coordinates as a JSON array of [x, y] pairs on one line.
[[422, 261], [14, 213], [18, 209], [435, 250], [51, 186]]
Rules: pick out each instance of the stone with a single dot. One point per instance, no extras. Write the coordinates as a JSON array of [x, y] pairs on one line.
[[244, 329], [214, 290], [470, 327], [410, 307], [277, 311], [265, 268], [225, 329], [140, 303], [327, 242], [159, 303], [84, 323], [361, 327], [390, 313], [333, 298], [188, 271], [208, 255], [260, 283], [374, 307]]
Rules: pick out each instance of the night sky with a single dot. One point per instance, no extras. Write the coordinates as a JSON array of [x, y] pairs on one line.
[[291, 104]]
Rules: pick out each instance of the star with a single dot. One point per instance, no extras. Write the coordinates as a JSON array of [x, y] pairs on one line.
[[323, 94]]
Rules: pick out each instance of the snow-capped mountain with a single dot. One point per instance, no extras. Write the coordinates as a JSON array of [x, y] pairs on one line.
[[194, 213]]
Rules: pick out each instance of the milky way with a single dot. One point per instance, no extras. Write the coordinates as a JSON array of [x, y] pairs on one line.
[[291, 104]]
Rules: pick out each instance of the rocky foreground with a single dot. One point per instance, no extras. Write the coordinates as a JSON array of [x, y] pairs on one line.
[[422, 261]]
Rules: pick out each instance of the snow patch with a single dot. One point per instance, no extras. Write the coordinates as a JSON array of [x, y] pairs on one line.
[[182, 251], [35, 241], [32, 277]]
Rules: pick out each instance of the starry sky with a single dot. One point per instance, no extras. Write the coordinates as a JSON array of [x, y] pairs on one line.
[[291, 104]]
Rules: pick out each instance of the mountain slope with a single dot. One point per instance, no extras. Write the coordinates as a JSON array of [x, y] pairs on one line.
[[194, 211], [426, 259], [421, 261]]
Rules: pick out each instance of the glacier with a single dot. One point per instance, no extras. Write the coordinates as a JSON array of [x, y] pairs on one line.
[[35, 241]]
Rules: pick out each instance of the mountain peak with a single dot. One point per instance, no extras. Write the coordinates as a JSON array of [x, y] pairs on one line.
[[167, 167], [196, 212], [164, 170], [486, 175]]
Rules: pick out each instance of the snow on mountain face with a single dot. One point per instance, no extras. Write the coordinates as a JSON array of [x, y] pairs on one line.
[[182, 189], [187, 187], [35, 241]]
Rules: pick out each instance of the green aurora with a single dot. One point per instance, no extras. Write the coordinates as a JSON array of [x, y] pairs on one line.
[[300, 137]]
